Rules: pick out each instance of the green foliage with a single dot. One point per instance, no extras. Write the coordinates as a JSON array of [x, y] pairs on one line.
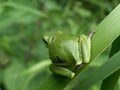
[[24, 58], [88, 76], [110, 82]]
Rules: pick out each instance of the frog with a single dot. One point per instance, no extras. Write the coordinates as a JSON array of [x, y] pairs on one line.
[[67, 52]]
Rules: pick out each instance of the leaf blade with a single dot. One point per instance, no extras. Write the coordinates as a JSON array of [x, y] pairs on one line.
[[110, 82], [112, 65], [107, 31], [101, 35]]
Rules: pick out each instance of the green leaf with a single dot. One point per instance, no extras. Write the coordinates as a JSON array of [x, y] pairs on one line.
[[106, 32], [25, 78], [11, 74], [110, 82], [23, 8], [18, 14], [1, 75], [16, 17], [34, 75], [90, 77]]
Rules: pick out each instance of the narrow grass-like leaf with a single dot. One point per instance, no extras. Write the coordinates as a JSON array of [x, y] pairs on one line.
[[91, 77], [105, 34], [29, 75], [100, 40], [24, 8], [57, 83], [38, 67], [24, 78], [110, 82]]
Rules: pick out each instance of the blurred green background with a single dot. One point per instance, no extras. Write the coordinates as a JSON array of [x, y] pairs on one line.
[[24, 22]]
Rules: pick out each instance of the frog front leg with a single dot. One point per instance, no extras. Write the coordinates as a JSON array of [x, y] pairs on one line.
[[61, 71], [85, 48]]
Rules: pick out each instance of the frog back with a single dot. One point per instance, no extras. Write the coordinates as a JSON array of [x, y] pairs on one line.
[[64, 49]]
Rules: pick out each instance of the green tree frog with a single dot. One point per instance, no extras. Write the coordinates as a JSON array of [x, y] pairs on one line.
[[67, 52]]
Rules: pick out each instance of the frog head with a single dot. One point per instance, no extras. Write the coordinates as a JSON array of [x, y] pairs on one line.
[[48, 39]]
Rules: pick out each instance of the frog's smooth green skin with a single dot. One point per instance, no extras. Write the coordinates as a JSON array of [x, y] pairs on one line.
[[67, 52]]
